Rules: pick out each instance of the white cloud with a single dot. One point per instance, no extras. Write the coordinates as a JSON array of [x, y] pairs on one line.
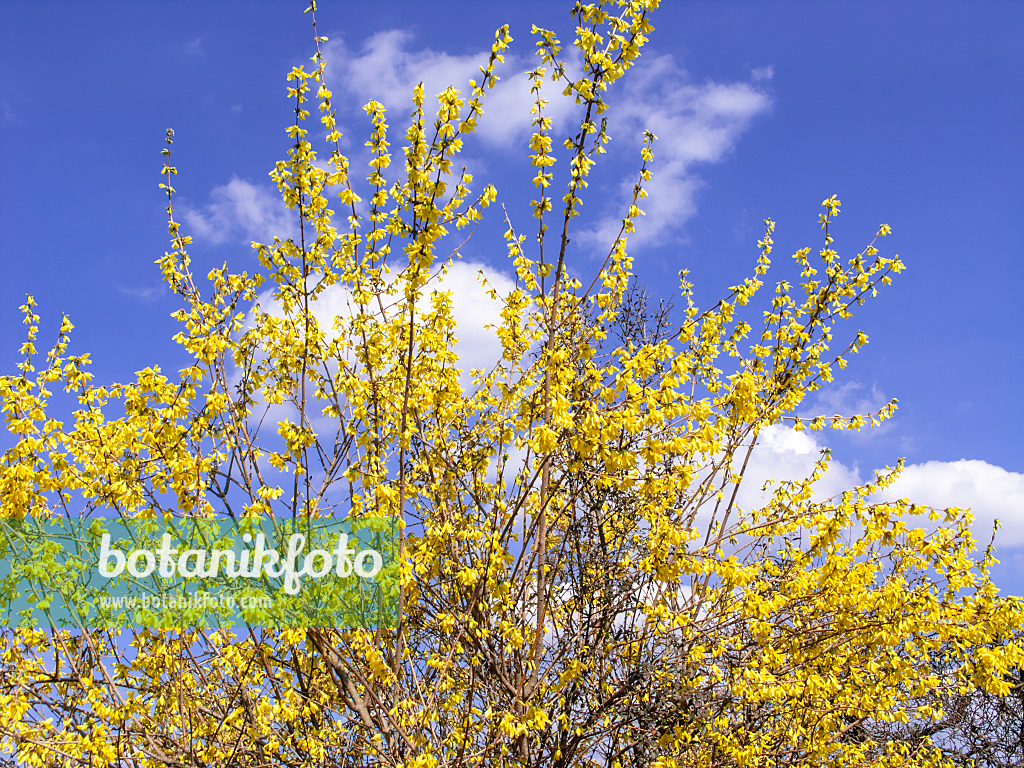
[[240, 211], [762, 73], [990, 492], [473, 308], [783, 454], [387, 67], [852, 398], [694, 123], [477, 345]]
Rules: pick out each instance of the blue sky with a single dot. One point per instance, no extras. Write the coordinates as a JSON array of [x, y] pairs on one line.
[[910, 112]]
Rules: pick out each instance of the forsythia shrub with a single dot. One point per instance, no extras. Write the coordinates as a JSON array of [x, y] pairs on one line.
[[579, 586]]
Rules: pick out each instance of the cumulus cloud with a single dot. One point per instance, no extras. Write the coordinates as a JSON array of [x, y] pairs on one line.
[[474, 310], [387, 66], [478, 346], [695, 123], [849, 399], [990, 491], [240, 211], [783, 454]]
